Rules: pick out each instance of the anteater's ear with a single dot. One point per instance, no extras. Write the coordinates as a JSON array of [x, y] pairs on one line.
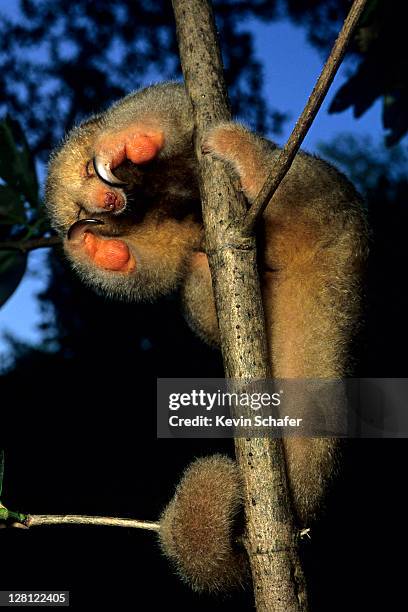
[[200, 527]]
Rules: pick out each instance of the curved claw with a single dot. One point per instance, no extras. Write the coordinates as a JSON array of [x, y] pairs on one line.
[[80, 226], [104, 172]]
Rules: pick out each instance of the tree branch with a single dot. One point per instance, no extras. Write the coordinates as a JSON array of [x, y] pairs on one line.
[[40, 520], [287, 154], [270, 538], [30, 245]]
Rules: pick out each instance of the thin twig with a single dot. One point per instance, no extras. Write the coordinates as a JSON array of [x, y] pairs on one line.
[[287, 154], [30, 245], [40, 520]]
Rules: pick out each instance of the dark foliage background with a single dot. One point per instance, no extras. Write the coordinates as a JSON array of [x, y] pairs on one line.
[[78, 411]]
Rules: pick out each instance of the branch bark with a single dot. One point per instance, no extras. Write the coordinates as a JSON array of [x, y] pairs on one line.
[[270, 539], [30, 245], [40, 520], [287, 155]]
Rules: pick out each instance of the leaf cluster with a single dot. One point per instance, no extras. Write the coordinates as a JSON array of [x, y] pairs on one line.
[[380, 60], [21, 209]]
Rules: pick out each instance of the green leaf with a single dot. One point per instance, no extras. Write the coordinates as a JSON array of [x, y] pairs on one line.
[[1, 471], [9, 158], [16, 163], [4, 513], [11, 206], [11, 516], [30, 182], [12, 268]]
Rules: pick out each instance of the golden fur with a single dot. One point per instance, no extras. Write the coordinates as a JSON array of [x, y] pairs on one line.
[[313, 244]]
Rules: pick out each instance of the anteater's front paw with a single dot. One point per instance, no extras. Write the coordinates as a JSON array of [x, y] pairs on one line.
[[225, 141], [234, 144], [135, 143]]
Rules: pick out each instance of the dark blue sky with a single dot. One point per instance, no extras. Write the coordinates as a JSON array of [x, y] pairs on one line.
[[291, 67]]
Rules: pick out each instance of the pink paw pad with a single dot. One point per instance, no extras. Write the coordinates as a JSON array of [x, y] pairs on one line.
[[136, 145], [109, 254]]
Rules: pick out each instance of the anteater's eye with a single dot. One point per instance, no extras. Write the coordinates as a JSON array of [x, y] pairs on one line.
[[89, 169]]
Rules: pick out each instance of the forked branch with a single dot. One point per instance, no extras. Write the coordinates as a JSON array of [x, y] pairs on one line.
[[287, 155]]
